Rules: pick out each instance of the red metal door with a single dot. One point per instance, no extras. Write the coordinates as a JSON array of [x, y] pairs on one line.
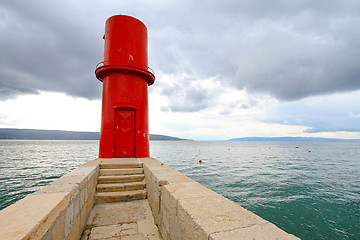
[[124, 132]]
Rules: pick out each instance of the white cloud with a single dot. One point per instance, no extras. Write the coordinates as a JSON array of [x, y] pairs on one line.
[[49, 110], [330, 113], [354, 115]]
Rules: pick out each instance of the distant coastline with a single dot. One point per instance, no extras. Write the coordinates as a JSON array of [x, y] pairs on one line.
[[293, 139], [34, 134]]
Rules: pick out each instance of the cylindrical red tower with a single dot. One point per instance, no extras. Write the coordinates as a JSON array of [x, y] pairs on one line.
[[125, 75]]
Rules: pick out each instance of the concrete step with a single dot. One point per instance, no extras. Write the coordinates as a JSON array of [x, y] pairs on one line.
[[116, 187], [121, 178], [120, 165], [126, 171], [106, 197]]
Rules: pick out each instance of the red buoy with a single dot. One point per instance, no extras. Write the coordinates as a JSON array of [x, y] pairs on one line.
[[200, 161]]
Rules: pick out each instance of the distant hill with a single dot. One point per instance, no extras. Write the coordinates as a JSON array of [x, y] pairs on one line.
[[32, 134], [156, 137], [293, 139]]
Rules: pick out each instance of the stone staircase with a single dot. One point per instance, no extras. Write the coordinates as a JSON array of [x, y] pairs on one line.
[[120, 182]]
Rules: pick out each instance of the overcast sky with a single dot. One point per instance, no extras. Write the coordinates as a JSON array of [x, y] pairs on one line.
[[224, 69]]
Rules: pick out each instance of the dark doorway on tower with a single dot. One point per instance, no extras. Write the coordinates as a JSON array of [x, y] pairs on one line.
[[124, 132]]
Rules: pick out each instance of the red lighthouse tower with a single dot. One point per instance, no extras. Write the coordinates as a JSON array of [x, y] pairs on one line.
[[126, 76]]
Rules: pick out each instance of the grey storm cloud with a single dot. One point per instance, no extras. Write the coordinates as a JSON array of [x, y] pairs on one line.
[[286, 49], [44, 48], [182, 99]]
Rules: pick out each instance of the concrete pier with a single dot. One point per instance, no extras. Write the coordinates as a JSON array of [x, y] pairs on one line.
[[121, 220], [174, 207]]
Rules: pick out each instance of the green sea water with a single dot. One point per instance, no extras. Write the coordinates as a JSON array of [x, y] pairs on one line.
[[311, 190]]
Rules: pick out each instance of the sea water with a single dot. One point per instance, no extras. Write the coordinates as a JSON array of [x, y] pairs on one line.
[[28, 165], [311, 190]]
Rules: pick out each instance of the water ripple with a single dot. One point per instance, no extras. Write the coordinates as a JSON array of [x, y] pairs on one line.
[[26, 166], [314, 195]]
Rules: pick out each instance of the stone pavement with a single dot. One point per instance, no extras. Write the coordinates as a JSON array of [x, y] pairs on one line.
[[121, 220]]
